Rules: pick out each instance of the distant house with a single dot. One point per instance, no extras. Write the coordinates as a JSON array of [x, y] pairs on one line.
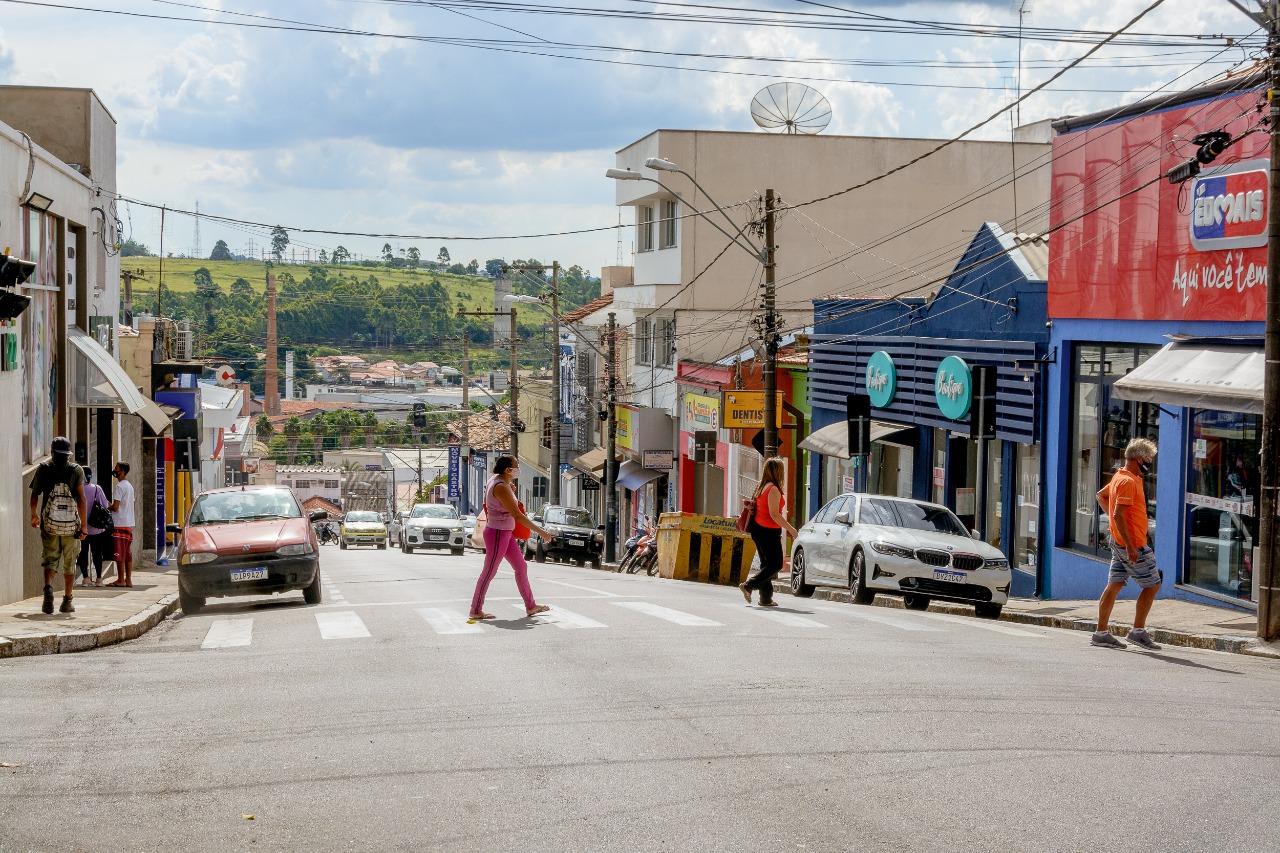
[[317, 503]]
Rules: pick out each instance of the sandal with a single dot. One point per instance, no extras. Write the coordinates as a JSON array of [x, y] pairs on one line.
[[541, 608], [476, 617]]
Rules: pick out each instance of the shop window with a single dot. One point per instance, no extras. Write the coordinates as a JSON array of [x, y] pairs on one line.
[[1102, 424], [644, 228], [667, 226], [1027, 508], [1222, 502], [40, 368]]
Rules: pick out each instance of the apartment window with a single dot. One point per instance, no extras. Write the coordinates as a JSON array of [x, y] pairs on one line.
[[667, 226], [540, 488], [1102, 425], [644, 341], [331, 484], [665, 343], [644, 228], [302, 484]]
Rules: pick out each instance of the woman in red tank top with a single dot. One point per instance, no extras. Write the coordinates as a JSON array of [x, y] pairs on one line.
[[767, 524]]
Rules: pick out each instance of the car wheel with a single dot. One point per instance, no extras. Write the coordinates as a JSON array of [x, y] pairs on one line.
[[191, 604], [915, 601], [595, 562], [651, 567], [858, 591], [343, 544], [539, 553], [382, 546], [799, 588], [578, 561], [311, 593], [624, 562], [987, 610], [457, 552]]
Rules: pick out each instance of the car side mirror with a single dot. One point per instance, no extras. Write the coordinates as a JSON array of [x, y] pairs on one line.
[[173, 528], [317, 515], [975, 534], [843, 518], [537, 518]]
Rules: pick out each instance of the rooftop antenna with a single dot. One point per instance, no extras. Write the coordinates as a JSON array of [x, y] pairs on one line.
[[791, 108]]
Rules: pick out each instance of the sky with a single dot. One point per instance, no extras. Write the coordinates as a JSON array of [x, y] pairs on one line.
[[405, 133]]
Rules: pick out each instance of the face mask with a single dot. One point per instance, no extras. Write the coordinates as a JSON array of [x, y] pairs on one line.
[[1144, 467]]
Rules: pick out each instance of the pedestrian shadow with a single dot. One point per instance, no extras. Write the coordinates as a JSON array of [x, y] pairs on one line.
[[525, 624], [781, 609], [1177, 661]]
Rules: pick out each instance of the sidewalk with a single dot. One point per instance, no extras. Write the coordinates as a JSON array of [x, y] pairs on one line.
[[1173, 622], [103, 615]]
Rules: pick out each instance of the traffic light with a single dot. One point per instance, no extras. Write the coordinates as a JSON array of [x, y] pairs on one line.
[[420, 415], [13, 272]]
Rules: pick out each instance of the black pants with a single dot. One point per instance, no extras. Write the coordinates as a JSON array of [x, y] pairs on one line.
[[768, 541], [102, 547]]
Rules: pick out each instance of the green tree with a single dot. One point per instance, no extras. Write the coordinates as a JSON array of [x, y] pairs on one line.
[[341, 255], [414, 257], [264, 428], [208, 294], [279, 241], [473, 268], [494, 266], [387, 254], [324, 256], [221, 252], [292, 434], [443, 256], [132, 249]]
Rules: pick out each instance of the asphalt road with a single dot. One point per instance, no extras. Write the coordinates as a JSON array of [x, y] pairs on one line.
[[648, 715]]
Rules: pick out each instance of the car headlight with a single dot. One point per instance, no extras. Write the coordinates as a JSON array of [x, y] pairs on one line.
[[192, 557], [1001, 565], [892, 549], [599, 537], [296, 550]]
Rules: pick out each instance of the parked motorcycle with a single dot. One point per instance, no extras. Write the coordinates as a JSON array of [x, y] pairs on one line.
[[644, 556], [327, 535]]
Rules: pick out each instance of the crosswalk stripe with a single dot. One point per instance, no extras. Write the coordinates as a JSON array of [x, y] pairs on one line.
[[795, 620], [448, 621], [679, 617], [565, 619], [867, 614], [996, 627], [228, 633], [341, 625]]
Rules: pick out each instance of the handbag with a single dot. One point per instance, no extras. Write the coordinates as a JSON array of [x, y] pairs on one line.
[[744, 518], [477, 535], [521, 532], [100, 517]]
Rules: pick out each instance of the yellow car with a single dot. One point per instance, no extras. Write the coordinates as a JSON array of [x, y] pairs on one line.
[[362, 527]]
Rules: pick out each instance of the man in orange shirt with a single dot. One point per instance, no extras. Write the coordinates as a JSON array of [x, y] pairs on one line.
[[1125, 502]]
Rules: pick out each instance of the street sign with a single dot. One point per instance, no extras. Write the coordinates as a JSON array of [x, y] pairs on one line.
[[455, 472], [657, 460], [565, 468], [590, 485], [745, 409], [225, 375]]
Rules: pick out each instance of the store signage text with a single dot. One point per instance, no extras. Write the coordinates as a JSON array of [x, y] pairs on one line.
[[745, 409], [882, 379], [699, 413], [622, 417], [953, 387], [1229, 207], [1231, 273], [1242, 506]]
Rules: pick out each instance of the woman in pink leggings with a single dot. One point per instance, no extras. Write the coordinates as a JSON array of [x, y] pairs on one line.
[[501, 513]]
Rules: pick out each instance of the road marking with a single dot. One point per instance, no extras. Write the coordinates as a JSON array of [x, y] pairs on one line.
[[975, 622], [341, 625], [566, 619], [600, 592], [467, 600], [448, 621], [228, 633], [795, 620], [866, 613], [677, 616]]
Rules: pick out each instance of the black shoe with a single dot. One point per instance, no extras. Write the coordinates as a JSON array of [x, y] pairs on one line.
[[47, 606], [67, 606]]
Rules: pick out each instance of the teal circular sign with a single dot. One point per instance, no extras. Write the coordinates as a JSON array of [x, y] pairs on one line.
[[953, 387], [882, 379]]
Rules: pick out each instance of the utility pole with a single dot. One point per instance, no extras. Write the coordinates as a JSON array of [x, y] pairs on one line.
[[513, 392], [611, 446], [1269, 570], [770, 334], [464, 452], [271, 395], [557, 394]]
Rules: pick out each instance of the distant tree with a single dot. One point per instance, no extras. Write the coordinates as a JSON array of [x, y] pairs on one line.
[[242, 289], [457, 269], [473, 268], [443, 256], [133, 249], [324, 256], [207, 293], [387, 254], [493, 267], [264, 428], [221, 252], [292, 432], [279, 241], [414, 256], [341, 255]]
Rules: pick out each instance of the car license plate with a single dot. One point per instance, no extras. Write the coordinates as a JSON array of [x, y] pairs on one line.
[[577, 543], [949, 577], [439, 535], [238, 575]]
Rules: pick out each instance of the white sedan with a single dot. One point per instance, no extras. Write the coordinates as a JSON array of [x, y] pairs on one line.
[[872, 544], [432, 526]]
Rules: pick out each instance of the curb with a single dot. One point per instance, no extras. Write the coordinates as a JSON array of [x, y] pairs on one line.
[[1235, 645], [95, 638]]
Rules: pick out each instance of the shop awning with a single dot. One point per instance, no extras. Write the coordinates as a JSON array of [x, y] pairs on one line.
[[116, 390], [833, 440], [591, 463], [633, 475], [1204, 375]]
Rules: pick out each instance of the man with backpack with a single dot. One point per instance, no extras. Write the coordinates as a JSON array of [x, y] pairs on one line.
[[58, 507]]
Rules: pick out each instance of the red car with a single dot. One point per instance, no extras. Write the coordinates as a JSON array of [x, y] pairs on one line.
[[246, 540]]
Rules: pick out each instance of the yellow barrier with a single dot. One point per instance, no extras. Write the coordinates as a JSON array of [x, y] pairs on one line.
[[703, 548]]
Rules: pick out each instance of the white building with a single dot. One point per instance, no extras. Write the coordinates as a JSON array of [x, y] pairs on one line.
[[220, 409]]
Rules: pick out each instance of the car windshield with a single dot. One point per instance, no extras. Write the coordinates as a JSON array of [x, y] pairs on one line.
[[362, 517], [912, 516], [433, 511], [246, 505], [564, 515]]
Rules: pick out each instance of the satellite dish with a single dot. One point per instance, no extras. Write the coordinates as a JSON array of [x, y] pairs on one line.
[[792, 108], [225, 375]]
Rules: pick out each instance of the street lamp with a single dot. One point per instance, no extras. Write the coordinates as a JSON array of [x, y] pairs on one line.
[[659, 164], [736, 238]]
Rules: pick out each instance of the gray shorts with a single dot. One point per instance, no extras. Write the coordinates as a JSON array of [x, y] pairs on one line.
[[1143, 572]]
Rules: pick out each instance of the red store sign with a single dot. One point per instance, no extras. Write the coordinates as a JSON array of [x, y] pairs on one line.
[[1195, 251]]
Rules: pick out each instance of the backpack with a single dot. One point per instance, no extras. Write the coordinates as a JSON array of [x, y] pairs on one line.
[[61, 515]]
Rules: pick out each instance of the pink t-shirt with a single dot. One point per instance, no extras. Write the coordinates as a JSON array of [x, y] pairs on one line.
[[496, 515]]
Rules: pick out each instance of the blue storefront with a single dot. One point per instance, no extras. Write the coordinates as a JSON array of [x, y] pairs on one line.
[[916, 359]]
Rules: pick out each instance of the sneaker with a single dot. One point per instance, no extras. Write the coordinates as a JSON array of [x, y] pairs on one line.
[[1107, 640], [1140, 637], [67, 606], [47, 606]]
